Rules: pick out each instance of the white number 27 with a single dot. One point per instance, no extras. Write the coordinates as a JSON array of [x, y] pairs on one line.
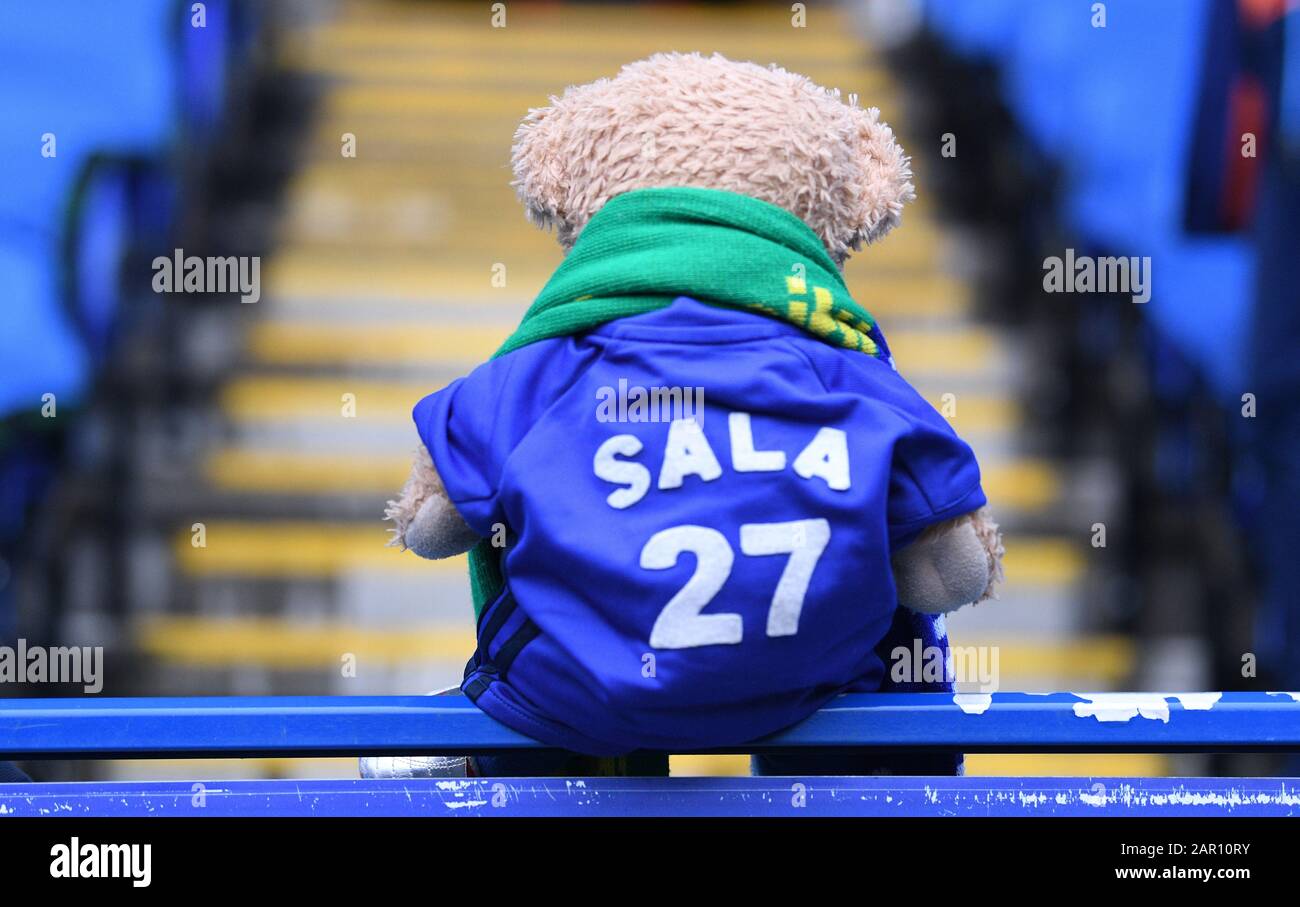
[[680, 624]]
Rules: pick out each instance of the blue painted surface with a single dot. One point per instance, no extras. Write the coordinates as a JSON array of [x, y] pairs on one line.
[[98, 80], [296, 726], [40, 351], [727, 797], [1114, 109]]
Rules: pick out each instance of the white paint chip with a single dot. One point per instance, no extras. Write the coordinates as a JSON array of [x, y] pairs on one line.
[[973, 703], [1198, 702], [1127, 706]]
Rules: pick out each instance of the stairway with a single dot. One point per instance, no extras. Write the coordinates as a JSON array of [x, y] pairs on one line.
[[381, 289]]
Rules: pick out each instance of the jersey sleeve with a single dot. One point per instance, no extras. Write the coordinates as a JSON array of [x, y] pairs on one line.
[[473, 425], [934, 476], [933, 473]]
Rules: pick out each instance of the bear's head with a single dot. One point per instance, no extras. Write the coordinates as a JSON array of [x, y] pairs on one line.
[[712, 123]]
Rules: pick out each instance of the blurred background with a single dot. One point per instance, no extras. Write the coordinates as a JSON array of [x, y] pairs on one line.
[[197, 483]]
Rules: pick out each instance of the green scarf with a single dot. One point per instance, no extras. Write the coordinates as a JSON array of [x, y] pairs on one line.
[[645, 248]]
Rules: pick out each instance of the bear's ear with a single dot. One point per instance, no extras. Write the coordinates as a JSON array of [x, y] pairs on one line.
[[539, 179], [883, 180], [553, 147]]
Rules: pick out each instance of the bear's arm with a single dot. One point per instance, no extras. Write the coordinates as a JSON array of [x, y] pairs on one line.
[[425, 520], [953, 563]]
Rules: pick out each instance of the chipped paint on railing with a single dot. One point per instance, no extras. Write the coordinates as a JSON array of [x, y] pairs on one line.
[[1127, 706], [742, 796], [973, 703]]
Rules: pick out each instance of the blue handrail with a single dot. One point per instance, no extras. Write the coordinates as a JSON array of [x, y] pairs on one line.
[[360, 725]]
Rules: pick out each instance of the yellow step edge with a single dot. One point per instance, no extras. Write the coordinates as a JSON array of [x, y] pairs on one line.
[[1081, 662], [1030, 765], [282, 644], [977, 413], [310, 277], [441, 207], [470, 178], [1017, 484], [288, 767], [289, 472], [594, 20], [441, 211], [704, 766], [395, 176], [316, 343], [919, 300], [323, 550], [471, 70], [459, 124], [1032, 561], [826, 45], [1022, 484], [614, 50], [1025, 485], [306, 343], [733, 17], [318, 275], [477, 189], [286, 550], [397, 12], [332, 174], [1057, 765], [458, 140], [458, 144], [449, 208], [443, 239], [1016, 765], [288, 644], [925, 294], [273, 399], [404, 102], [964, 351]]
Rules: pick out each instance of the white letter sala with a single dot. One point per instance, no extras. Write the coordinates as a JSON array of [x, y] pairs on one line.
[[687, 452]]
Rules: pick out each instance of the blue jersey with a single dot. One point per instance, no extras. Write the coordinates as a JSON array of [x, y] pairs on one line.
[[698, 507]]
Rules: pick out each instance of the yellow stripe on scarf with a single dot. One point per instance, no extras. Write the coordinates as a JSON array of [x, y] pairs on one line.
[[823, 318]]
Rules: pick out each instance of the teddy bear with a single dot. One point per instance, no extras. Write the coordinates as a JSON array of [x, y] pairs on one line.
[[699, 497]]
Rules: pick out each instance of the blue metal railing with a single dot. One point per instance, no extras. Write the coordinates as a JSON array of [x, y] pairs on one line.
[[361, 725], [1002, 722]]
